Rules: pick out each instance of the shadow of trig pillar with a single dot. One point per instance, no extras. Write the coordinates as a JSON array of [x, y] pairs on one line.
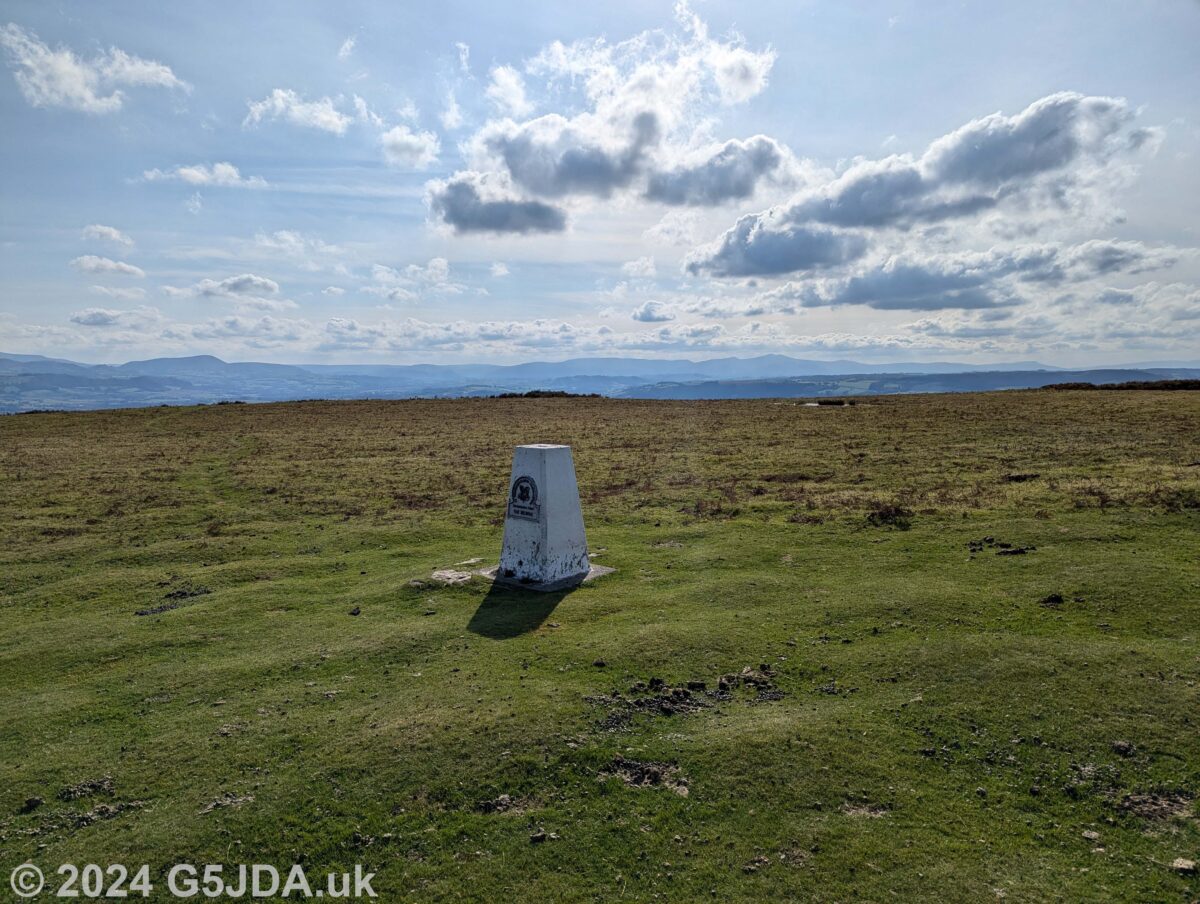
[[544, 544]]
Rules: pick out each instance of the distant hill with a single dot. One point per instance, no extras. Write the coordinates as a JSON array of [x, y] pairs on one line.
[[37, 382], [881, 384]]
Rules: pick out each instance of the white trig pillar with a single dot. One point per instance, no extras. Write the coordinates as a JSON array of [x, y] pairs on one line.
[[544, 544]]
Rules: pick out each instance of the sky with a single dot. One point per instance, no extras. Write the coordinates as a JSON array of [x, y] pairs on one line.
[[500, 182]]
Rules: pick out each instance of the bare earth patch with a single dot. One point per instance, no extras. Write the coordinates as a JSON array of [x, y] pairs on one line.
[[228, 799], [639, 774], [864, 810], [1171, 805]]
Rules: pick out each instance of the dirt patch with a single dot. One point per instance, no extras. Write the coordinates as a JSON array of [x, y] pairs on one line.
[[102, 812], [865, 810], [653, 698], [757, 863], [640, 774], [88, 788], [1002, 548], [1019, 478], [1051, 601], [657, 698], [505, 803], [228, 799], [1169, 805], [761, 681]]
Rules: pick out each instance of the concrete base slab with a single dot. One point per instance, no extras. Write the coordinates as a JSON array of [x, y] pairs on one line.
[[595, 571]]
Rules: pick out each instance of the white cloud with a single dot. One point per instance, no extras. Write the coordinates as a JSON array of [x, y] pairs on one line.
[[677, 227], [101, 233], [347, 47], [286, 104], [499, 269], [90, 263], [643, 267], [194, 204], [1049, 160], [646, 102], [246, 290], [363, 113], [470, 202], [295, 245], [653, 312], [414, 150], [59, 78], [333, 290], [451, 117], [718, 174], [414, 281], [141, 318], [224, 175], [464, 57], [507, 91], [237, 286]]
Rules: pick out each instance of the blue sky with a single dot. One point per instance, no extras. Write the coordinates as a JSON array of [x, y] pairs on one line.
[[504, 182]]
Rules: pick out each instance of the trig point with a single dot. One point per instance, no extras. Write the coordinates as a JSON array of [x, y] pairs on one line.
[[544, 544]]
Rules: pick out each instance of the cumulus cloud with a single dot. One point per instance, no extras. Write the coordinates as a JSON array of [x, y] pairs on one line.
[[507, 91], [483, 202], [414, 281], [964, 280], [643, 100], [403, 147], [760, 245], [552, 157], [730, 172], [139, 318], [652, 312], [335, 291], [59, 78], [90, 263], [286, 104], [1038, 158], [1150, 316], [237, 286], [1036, 155], [245, 290], [347, 47], [101, 233], [499, 269], [224, 175]]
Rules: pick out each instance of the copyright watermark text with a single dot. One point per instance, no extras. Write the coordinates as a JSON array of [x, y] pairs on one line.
[[186, 880]]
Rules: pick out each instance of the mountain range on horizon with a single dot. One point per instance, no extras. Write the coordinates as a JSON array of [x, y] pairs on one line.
[[29, 382]]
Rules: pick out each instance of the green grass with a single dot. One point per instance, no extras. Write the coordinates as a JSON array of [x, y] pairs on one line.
[[924, 692]]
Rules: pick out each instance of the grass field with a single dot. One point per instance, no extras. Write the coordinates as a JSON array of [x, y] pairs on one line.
[[925, 715]]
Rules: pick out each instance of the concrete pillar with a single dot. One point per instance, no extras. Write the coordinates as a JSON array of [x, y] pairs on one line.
[[544, 543]]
